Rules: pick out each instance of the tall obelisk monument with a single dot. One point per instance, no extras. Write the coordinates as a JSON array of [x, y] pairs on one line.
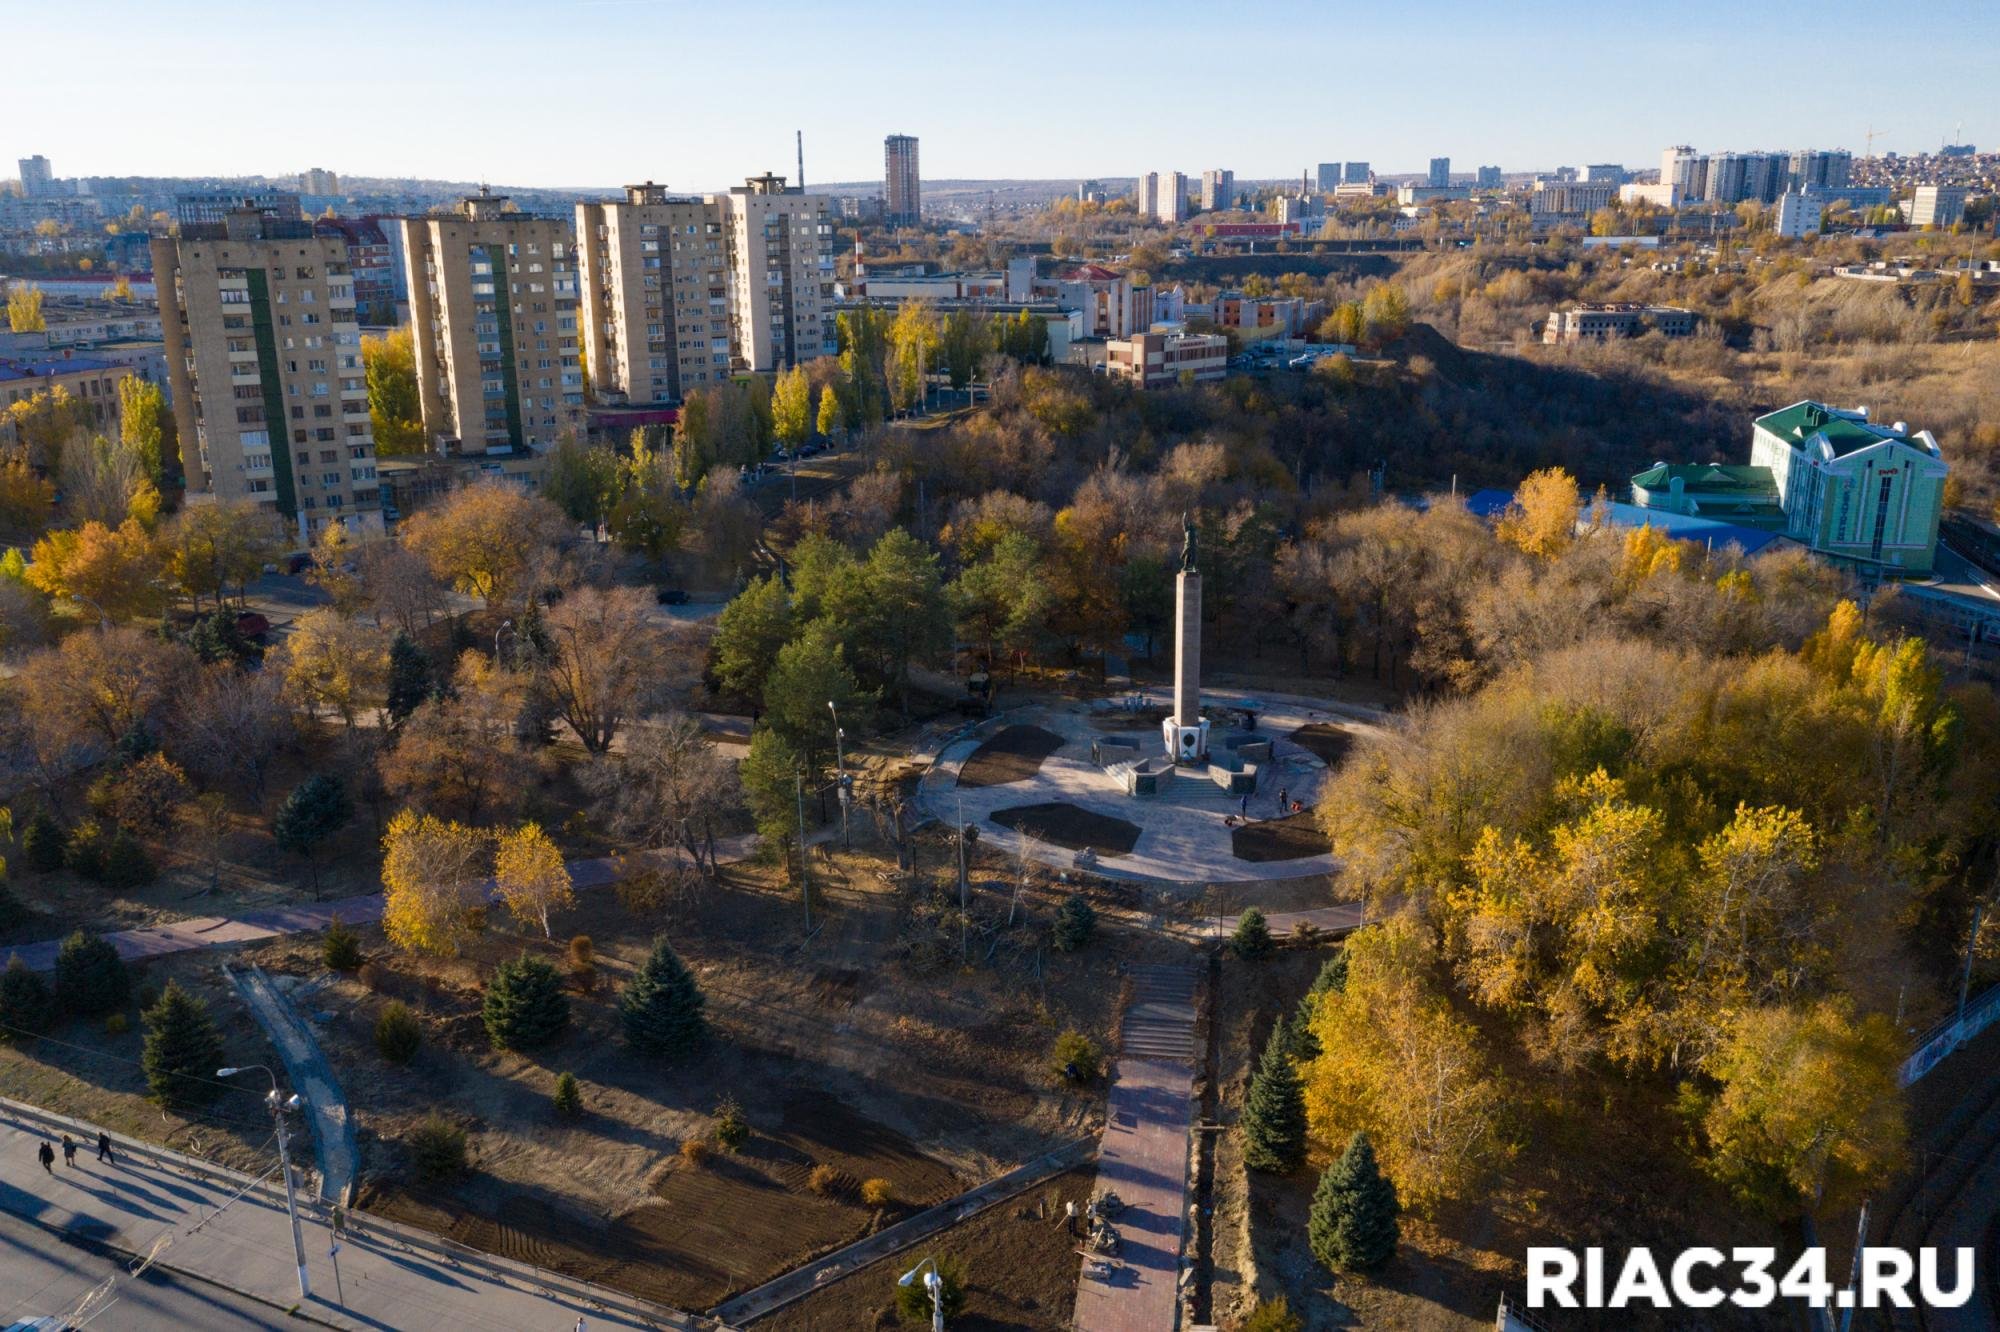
[[1186, 731]]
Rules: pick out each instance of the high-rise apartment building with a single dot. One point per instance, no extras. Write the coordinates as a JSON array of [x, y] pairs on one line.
[[1489, 178], [1218, 190], [781, 261], [1329, 177], [319, 181], [1600, 173], [493, 302], [680, 292], [1440, 173], [264, 355], [1686, 171], [37, 176], [1170, 203], [1814, 169], [1355, 173], [212, 208], [902, 186]]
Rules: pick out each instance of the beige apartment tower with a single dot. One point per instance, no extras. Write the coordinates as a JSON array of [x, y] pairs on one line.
[[680, 293], [493, 302], [264, 355]]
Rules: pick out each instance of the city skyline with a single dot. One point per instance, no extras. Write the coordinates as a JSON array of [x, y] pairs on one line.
[[1445, 98]]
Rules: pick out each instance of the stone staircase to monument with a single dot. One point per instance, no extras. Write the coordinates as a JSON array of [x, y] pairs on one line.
[[1159, 1021], [1193, 788]]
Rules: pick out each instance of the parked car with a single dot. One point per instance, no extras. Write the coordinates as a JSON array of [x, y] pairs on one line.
[[298, 564]]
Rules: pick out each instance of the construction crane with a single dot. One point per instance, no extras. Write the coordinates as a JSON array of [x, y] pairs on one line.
[[1873, 135]]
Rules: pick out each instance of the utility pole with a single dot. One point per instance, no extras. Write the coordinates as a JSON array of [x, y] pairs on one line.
[[840, 774], [278, 1109], [1965, 978], [1854, 1272]]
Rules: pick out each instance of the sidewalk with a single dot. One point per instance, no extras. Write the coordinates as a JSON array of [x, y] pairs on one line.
[[389, 1277]]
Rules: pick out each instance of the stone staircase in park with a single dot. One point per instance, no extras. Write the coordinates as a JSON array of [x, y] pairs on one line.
[[1196, 788], [1159, 1021]]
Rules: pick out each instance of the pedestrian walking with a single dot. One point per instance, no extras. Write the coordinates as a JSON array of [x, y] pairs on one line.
[[69, 1150], [104, 1147], [1284, 798], [1243, 805], [48, 1156], [1069, 1216]]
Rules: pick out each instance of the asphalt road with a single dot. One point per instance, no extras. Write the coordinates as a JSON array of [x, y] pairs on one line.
[[42, 1276]]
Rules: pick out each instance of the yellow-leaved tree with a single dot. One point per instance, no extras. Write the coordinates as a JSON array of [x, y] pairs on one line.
[[1398, 1064], [433, 881], [484, 539], [337, 664], [530, 875], [1542, 518]]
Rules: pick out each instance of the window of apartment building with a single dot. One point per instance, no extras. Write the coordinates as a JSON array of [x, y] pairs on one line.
[[325, 433]]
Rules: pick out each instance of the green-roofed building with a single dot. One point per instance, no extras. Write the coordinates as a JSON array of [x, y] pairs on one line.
[[1851, 489], [1746, 496]]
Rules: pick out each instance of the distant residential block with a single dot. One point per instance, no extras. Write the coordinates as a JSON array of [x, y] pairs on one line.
[[1159, 359], [1602, 322]]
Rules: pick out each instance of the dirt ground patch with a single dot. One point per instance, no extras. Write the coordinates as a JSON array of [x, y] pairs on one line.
[[1327, 742], [1291, 838], [1021, 1264], [1071, 827], [1013, 755]]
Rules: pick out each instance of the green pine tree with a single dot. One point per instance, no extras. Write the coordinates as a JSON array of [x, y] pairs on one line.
[[1076, 920], [525, 1006], [90, 976], [1252, 938], [1332, 976], [316, 809], [182, 1050], [568, 1099], [1300, 1043], [126, 864], [1352, 1225], [44, 843], [410, 681], [27, 1009], [1274, 1111], [661, 1006]]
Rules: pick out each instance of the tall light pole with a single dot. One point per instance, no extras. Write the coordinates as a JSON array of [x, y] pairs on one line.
[[840, 773], [931, 1284], [278, 1109]]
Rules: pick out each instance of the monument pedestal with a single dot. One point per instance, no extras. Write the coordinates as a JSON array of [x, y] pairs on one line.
[[1185, 744]]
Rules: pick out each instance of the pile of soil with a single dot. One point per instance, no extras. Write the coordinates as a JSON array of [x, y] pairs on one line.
[[1328, 743], [1071, 827], [1291, 838], [1012, 755], [1022, 1269]]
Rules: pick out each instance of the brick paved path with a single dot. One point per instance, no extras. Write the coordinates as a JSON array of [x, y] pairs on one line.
[[1144, 1158]]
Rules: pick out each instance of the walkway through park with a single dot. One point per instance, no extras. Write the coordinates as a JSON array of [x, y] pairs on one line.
[[188, 1216], [1144, 1157]]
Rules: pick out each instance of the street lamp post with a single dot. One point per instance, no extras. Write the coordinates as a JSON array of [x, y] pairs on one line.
[[506, 627], [933, 1285], [840, 774], [278, 1109]]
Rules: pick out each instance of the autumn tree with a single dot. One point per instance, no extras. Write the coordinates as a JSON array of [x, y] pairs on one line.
[[530, 876], [1542, 518], [97, 685], [667, 787], [791, 408], [433, 878], [24, 308], [913, 352], [485, 538], [457, 753], [335, 664], [1807, 1108], [213, 547], [395, 407], [229, 726], [607, 654], [583, 479], [143, 421], [112, 572]]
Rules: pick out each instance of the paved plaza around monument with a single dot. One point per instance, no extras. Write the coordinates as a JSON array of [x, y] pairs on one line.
[[1183, 835]]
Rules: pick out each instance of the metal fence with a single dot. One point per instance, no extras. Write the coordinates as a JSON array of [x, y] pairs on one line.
[[1947, 1036]]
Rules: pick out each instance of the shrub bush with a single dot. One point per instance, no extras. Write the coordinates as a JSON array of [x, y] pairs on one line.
[[397, 1034], [90, 976], [437, 1148], [1273, 1315], [117, 1024], [696, 1151], [126, 864], [341, 947], [525, 1007], [582, 952], [85, 853], [13, 911], [1075, 1058], [732, 1130], [913, 1302], [568, 1098], [877, 1192], [824, 1180]]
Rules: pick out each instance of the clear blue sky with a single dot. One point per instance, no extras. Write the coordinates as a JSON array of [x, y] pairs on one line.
[[599, 92]]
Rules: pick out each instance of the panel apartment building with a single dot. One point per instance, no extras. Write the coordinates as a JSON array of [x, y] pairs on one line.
[[493, 301], [680, 293], [264, 356]]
